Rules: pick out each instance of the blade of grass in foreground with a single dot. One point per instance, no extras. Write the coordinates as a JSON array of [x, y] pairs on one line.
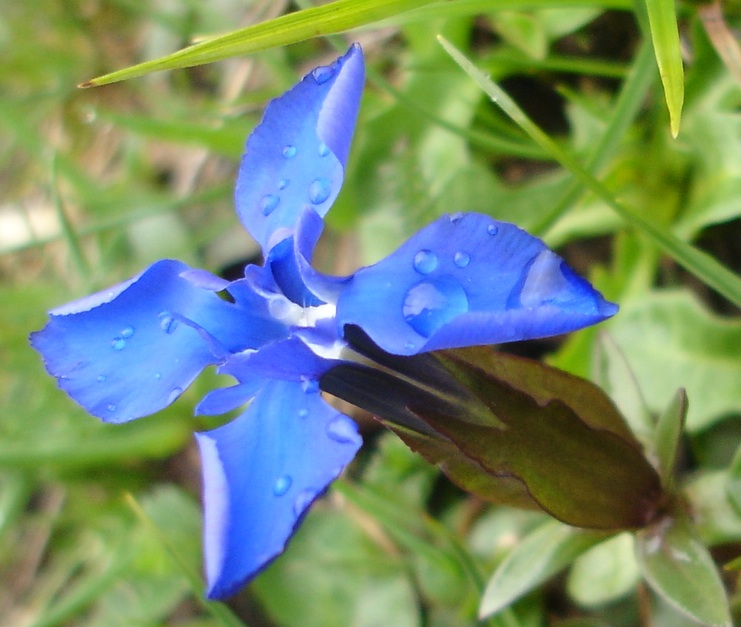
[[327, 19], [692, 259]]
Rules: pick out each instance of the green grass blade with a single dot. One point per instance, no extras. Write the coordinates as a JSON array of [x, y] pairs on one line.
[[327, 19], [692, 259], [662, 18]]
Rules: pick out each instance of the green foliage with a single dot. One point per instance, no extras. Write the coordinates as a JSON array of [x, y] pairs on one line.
[[99, 524]]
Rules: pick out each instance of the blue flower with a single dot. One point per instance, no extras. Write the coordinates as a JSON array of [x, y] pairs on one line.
[[131, 350]]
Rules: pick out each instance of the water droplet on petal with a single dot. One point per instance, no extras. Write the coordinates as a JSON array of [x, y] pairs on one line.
[[409, 346], [431, 304], [461, 259], [174, 394], [492, 229], [455, 217], [268, 204], [282, 485], [322, 74], [283, 183], [118, 344], [127, 332], [343, 430], [157, 375], [323, 150], [167, 323], [319, 190], [303, 413], [303, 500], [111, 407], [101, 378], [289, 152], [425, 261], [310, 386]]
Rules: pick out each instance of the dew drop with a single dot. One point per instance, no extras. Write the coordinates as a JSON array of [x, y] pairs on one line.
[[461, 259], [127, 332], [283, 183], [279, 307], [268, 204], [341, 429], [282, 485], [323, 150], [118, 344], [111, 407], [157, 375], [425, 261], [431, 304], [322, 74], [455, 217], [492, 229], [310, 386], [303, 413], [409, 346], [174, 394], [289, 151], [303, 500], [319, 190], [167, 322], [101, 378]]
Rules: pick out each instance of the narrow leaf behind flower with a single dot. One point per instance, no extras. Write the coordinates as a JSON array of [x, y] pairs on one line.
[[678, 567], [546, 551], [662, 17], [291, 28]]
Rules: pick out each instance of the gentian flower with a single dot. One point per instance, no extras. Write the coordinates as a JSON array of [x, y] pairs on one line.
[[130, 351]]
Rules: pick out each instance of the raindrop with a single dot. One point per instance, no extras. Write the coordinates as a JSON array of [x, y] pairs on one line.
[[455, 217], [492, 229], [303, 413], [319, 190], [323, 150], [461, 259], [174, 394], [425, 261], [341, 429], [322, 74], [127, 332], [118, 344], [167, 322], [268, 204], [283, 183], [289, 152], [158, 375], [111, 407], [303, 500], [101, 378], [282, 485], [310, 386], [431, 304], [409, 346]]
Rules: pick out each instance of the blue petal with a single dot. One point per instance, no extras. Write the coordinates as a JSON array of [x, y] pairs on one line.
[[466, 280], [296, 156], [132, 350], [260, 474]]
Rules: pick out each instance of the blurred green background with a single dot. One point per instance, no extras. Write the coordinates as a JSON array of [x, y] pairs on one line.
[[100, 524]]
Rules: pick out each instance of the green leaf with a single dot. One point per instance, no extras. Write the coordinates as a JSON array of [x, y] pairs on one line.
[[705, 267], [335, 574], [662, 19], [605, 572], [734, 482], [672, 340], [291, 28], [668, 436], [543, 553], [679, 568], [510, 430]]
